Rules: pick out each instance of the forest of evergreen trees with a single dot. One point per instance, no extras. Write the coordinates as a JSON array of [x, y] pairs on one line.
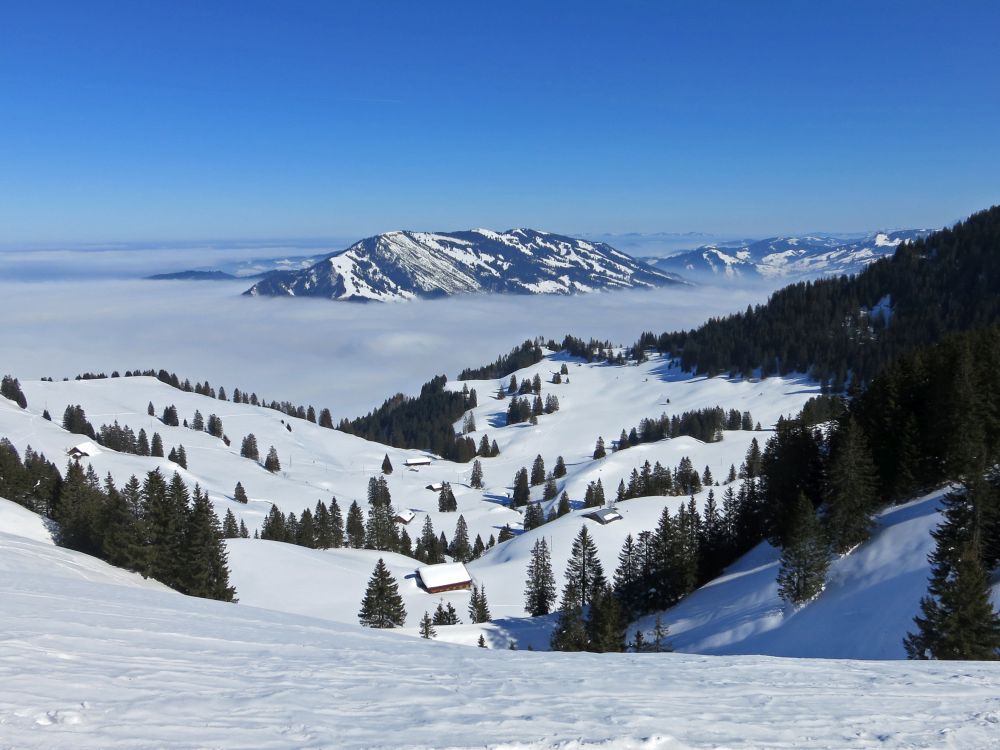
[[944, 283]]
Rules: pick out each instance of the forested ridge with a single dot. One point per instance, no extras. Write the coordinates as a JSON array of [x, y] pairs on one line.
[[833, 328]]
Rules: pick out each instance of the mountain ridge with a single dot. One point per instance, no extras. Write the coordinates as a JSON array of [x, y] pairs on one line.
[[402, 265]]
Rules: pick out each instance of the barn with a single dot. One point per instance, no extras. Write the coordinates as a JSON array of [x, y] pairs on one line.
[[444, 577], [83, 450], [413, 462], [435, 486], [604, 516]]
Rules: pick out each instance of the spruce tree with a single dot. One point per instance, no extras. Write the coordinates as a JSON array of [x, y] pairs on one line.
[[540, 586], [446, 499], [851, 483], [522, 492], [336, 525], [156, 448], [479, 609], [957, 620], [476, 480], [584, 571], [382, 606], [206, 571], [537, 471], [605, 626], [427, 630], [599, 450], [355, 526], [386, 465], [460, 550], [230, 527], [240, 494], [805, 557], [570, 633], [560, 468], [271, 463]]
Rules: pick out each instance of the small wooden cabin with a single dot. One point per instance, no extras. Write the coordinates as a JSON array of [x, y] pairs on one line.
[[83, 450], [412, 462], [604, 516], [404, 516], [435, 486], [444, 577]]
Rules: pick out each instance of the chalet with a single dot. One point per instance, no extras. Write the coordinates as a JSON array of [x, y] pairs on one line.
[[444, 577], [404, 516], [422, 461], [435, 486], [83, 450], [604, 516]]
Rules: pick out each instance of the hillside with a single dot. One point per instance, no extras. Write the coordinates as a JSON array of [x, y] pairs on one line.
[[106, 664], [406, 265]]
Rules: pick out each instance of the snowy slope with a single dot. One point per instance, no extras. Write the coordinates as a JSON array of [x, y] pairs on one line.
[[405, 265], [91, 663], [786, 257]]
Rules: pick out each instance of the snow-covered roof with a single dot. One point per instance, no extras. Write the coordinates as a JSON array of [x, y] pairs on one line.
[[604, 515], [405, 515], [435, 486], [87, 448], [443, 574], [417, 462]]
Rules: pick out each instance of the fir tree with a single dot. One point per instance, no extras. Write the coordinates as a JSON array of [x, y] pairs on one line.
[[570, 633], [540, 586], [599, 450], [584, 571], [156, 449], [382, 606], [804, 559], [537, 471], [355, 526], [230, 528], [481, 642], [446, 499], [957, 620], [522, 492], [337, 525], [386, 465], [427, 630], [249, 449], [560, 468], [271, 463], [850, 497], [460, 550], [605, 627], [563, 508], [476, 480], [445, 614], [207, 572], [479, 610]]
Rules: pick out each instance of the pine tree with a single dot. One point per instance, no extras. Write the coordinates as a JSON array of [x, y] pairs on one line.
[[570, 633], [156, 449], [476, 481], [240, 494], [380, 530], [481, 642], [560, 468], [563, 508], [355, 526], [957, 620], [230, 528], [522, 492], [206, 571], [460, 549], [271, 463], [446, 499], [660, 632], [386, 465], [850, 497], [605, 624], [427, 627], [804, 559], [479, 610], [382, 606], [584, 570], [537, 471], [445, 614], [540, 586], [551, 490], [337, 525], [478, 547], [249, 449], [599, 450]]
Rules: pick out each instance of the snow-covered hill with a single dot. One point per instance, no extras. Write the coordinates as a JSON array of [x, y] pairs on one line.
[[786, 257], [94, 661], [405, 265]]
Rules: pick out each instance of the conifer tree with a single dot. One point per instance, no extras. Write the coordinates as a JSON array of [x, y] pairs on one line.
[[206, 571], [355, 526], [551, 490], [476, 480], [380, 530], [957, 619], [560, 468], [445, 614], [505, 534], [324, 528], [446, 499], [460, 550], [804, 559], [156, 449], [570, 633], [481, 642], [851, 484], [336, 525], [599, 450], [522, 492], [537, 471], [271, 463], [605, 626], [478, 547], [479, 609], [540, 586], [382, 606], [249, 449], [584, 570], [386, 465], [427, 630], [230, 528]]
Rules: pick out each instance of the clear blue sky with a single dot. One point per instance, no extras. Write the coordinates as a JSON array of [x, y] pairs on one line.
[[211, 119]]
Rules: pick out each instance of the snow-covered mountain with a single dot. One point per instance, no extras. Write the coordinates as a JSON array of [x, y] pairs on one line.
[[406, 265], [786, 257]]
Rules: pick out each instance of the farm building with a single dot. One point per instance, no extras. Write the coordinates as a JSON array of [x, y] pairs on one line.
[[83, 450], [435, 486], [404, 516], [444, 577], [422, 461], [604, 516]]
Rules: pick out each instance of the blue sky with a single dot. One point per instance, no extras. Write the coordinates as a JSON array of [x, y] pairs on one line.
[[189, 119]]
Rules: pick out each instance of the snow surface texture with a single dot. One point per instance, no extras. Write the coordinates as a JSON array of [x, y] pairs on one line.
[[106, 660], [786, 257], [406, 265]]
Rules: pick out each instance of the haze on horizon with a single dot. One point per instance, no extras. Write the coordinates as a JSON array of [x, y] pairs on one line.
[[162, 122]]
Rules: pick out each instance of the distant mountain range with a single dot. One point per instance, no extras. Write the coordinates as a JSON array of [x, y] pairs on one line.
[[785, 257], [408, 265]]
